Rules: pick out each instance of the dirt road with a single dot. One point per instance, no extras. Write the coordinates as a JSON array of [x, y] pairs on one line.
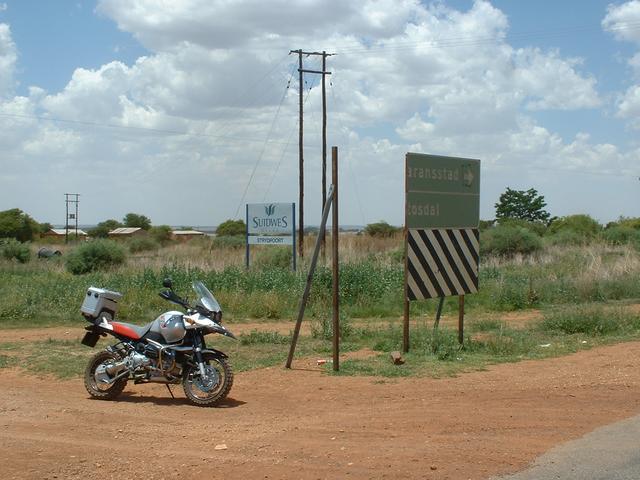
[[303, 424]]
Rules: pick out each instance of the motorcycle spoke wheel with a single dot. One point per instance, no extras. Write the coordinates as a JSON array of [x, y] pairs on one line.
[[99, 389], [213, 388]]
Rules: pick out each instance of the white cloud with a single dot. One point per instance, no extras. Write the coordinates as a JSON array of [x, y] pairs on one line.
[[3, 7], [196, 112], [622, 20], [8, 57], [629, 106], [546, 78]]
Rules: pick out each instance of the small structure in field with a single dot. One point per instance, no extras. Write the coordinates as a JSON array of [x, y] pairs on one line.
[[124, 233], [61, 233], [185, 235]]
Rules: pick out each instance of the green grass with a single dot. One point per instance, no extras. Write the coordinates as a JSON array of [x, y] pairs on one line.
[[42, 293], [574, 286], [435, 354]]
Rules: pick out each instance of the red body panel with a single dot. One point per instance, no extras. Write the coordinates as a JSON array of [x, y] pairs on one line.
[[121, 329]]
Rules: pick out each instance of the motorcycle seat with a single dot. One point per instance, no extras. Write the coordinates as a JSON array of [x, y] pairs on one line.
[[130, 330]]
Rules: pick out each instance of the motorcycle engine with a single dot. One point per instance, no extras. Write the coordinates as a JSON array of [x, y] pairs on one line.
[[137, 361]]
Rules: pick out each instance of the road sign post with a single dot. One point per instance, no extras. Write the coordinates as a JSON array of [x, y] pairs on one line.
[[271, 224], [442, 212]]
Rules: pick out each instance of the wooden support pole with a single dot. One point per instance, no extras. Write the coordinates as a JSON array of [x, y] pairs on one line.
[[336, 276], [461, 319], [307, 288]]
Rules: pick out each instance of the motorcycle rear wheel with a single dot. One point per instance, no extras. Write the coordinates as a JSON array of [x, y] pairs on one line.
[[212, 390], [98, 390]]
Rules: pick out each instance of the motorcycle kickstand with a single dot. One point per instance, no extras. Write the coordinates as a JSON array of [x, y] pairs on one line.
[[169, 388]]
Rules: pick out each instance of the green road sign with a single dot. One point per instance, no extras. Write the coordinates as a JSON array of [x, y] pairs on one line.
[[442, 191]]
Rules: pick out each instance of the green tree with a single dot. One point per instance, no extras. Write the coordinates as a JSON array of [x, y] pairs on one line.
[[231, 227], [16, 224], [136, 220], [103, 228], [524, 205], [380, 229]]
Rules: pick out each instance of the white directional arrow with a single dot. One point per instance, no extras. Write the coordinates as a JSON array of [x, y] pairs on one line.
[[468, 176]]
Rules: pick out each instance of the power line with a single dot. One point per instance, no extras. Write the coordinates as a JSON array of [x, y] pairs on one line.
[[264, 146], [284, 150], [137, 129], [464, 40]]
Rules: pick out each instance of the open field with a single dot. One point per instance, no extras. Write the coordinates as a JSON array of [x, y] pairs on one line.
[[549, 355], [302, 424]]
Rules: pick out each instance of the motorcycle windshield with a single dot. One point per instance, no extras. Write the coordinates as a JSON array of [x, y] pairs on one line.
[[207, 300]]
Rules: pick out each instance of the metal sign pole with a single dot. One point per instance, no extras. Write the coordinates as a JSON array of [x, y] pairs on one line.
[[293, 232], [246, 261]]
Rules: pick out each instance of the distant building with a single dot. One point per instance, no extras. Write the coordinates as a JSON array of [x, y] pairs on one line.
[[61, 233], [127, 232], [185, 235]]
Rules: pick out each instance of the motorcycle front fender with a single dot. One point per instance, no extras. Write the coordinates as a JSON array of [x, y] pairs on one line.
[[213, 353]]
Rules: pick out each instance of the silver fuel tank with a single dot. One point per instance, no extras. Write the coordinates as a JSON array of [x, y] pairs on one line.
[[170, 326]]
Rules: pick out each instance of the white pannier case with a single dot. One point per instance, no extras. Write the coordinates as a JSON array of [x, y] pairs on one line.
[[98, 301]]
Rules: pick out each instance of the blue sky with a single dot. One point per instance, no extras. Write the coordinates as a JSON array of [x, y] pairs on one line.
[[56, 37], [137, 98]]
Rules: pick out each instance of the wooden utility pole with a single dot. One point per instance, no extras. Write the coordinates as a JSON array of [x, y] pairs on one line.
[[324, 143], [300, 159], [301, 72]]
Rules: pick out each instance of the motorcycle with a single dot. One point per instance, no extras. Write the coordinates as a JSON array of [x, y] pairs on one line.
[[169, 350]]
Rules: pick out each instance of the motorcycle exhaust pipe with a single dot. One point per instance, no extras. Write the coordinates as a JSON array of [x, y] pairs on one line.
[[117, 377], [115, 368]]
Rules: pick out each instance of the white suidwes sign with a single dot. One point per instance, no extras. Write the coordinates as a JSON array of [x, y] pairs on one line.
[[270, 218], [271, 224]]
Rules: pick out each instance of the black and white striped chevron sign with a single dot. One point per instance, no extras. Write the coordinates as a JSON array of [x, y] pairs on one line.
[[442, 262]]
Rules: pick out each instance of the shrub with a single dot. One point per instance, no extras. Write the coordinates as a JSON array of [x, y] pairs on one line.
[[236, 241], [231, 227], [486, 224], [142, 244], [95, 255], [381, 229], [633, 222], [16, 224], [539, 228], [581, 224], [276, 256], [567, 237], [507, 241], [621, 235], [12, 249], [161, 234]]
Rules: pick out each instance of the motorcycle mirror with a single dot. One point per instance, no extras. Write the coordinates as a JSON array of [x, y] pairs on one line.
[[167, 283]]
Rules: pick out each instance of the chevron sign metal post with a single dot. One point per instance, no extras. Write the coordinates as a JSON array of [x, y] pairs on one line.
[[442, 212]]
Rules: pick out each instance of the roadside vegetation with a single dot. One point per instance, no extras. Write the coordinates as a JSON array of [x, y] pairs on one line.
[[581, 278]]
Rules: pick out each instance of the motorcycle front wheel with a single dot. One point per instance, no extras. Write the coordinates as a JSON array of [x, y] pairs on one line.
[[95, 374], [210, 390]]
